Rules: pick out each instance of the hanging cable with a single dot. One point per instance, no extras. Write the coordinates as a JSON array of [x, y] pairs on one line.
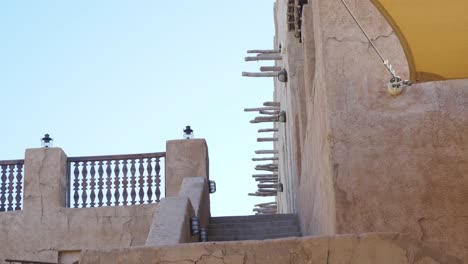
[[364, 32], [396, 83]]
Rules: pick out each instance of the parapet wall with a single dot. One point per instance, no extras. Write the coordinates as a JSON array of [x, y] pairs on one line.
[[46, 227], [352, 249], [371, 162]]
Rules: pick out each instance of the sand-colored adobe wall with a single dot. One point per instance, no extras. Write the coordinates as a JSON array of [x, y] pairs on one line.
[[371, 162], [352, 249], [46, 227]]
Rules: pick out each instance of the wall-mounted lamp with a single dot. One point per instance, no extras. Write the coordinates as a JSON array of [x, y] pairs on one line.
[[396, 85], [283, 76], [282, 117], [194, 226], [280, 187], [47, 141], [212, 185], [188, 132], [203, 234]]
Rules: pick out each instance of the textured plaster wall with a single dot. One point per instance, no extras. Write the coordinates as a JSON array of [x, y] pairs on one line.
[[352, 249], [185, 158], [171, 224], [305, 151], [291, 132], [371, 162], [46, 226]]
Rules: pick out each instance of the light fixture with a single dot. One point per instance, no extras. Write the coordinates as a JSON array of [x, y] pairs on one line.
[[46, 141], [212, 185], [282, 117], [188, 132], [194, 226], [283, 76], [396, 84], [203, 234], [280, 187]]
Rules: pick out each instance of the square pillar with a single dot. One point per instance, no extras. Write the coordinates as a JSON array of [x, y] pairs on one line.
[[45, 185], [185, 158]]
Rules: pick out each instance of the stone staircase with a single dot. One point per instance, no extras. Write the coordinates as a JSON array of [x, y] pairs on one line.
[[253, 227]]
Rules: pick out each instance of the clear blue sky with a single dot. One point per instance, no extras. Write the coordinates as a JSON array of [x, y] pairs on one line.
[[116, 77]]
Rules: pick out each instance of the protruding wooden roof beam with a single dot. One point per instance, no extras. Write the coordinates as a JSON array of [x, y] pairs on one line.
[[262, 51], [264, 159], [263, 130], [270, 68], [260, 74], [277, 104], [260, 57], [266, 151], [266, 108]]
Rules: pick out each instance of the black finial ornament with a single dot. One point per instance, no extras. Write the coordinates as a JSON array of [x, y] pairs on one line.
[[188, 132], [46, 141]]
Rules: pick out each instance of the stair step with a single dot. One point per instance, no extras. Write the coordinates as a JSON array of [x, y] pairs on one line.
[[254, 225], [251, 218], [253, 237], [253, 229]]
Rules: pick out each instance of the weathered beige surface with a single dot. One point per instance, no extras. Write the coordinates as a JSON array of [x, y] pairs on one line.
[[196, 189], [43, 189], [46, 227], [371, 162], [185, 158], [171, 225], [352, 249], [293, 130], [69, 257]]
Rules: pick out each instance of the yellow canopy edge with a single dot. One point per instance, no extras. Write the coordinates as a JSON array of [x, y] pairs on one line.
[[434, 36]]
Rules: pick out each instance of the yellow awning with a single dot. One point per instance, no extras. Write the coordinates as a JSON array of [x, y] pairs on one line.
[[434, 36]]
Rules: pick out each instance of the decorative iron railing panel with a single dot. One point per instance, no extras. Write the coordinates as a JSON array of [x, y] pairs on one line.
[[11, 185], [115, 180]]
